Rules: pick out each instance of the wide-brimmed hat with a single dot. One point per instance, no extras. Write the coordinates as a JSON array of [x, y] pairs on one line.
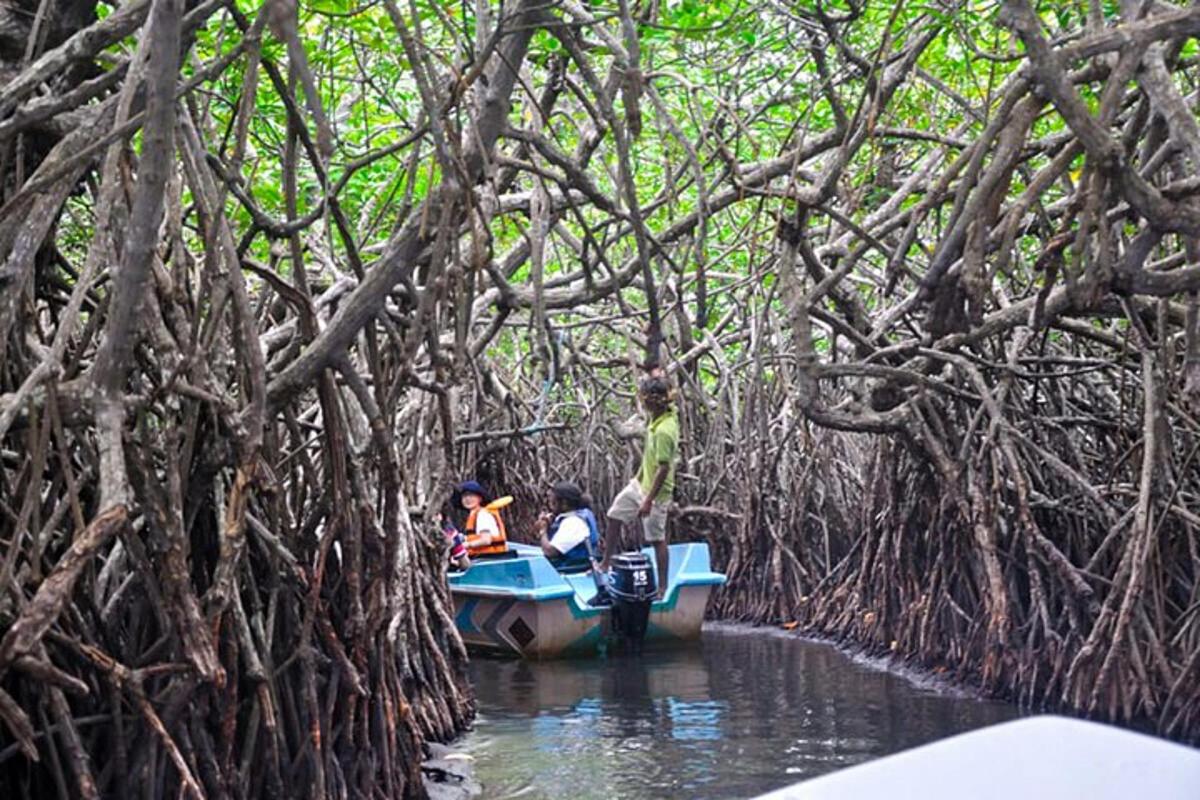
[[472, 487]]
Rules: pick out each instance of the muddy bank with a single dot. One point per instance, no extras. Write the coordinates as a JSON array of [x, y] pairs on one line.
[[449, 774]]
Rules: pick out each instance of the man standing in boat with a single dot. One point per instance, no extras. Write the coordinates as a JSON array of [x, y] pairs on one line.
[[648, 494]]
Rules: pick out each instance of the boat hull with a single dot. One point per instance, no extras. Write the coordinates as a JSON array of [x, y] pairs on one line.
[[522, 607]]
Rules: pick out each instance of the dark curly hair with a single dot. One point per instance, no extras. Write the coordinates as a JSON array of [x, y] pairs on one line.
[[655, 386], [571, 494]]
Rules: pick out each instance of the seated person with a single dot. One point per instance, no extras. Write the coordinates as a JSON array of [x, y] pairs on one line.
[[568, 535], [485, 534]]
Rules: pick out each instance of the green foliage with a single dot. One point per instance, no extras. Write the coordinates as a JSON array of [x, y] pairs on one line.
[[766, 80]]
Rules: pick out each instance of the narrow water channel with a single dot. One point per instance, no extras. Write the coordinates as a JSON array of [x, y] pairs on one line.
[[742, 712]]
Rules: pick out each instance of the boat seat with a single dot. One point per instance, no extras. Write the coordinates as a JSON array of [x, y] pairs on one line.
[[573, 567], [507, 554]]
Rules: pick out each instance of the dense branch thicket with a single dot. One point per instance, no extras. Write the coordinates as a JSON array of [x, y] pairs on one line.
[[270, 278], [1008, 304]]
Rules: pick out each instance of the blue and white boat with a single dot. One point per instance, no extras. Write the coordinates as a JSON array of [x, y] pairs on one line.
[[520, 605]]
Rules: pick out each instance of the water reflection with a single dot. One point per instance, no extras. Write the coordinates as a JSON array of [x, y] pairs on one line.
[[742, 714]]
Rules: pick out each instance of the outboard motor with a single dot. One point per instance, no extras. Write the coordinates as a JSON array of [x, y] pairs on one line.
[[632, 588]]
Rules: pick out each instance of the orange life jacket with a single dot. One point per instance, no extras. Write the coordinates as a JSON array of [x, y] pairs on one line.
[[475, 541]]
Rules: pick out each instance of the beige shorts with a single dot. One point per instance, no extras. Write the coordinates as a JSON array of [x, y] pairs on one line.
[[625, 508]]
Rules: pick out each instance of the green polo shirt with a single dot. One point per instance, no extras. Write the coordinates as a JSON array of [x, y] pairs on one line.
[[662, 445]]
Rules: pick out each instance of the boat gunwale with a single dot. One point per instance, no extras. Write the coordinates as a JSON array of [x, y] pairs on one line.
[[545, 593]]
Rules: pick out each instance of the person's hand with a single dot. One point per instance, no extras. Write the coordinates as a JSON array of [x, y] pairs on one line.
[[646, 507], [543, 520]]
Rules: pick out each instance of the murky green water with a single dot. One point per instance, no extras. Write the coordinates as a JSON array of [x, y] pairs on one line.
[[743, 712]]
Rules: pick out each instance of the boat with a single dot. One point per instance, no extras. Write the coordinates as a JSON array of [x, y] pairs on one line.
[[520, 605], [1037, 757]]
